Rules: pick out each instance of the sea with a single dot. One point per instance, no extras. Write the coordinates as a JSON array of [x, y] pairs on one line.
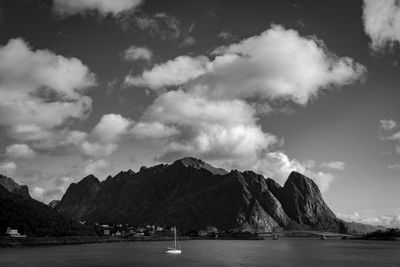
[[282, 252]]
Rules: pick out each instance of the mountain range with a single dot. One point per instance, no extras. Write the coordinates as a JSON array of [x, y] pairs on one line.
[[194, 195]]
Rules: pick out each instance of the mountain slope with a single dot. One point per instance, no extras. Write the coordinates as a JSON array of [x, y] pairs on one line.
[[34, 218], [13, 187], [193, 195]]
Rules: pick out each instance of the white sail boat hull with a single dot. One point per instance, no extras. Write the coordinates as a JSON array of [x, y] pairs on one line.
[[173, 251]]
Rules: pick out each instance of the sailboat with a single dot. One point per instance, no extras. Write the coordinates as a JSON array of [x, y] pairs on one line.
[[175, 249]]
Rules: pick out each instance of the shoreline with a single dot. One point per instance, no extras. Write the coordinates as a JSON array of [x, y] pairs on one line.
[[74, 240]]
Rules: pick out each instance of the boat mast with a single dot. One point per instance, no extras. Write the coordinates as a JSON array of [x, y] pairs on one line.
[[175, 236]]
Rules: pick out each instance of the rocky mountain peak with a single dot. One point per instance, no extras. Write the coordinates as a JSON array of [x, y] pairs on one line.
[[11, 186], [89, 180], [190, 162]]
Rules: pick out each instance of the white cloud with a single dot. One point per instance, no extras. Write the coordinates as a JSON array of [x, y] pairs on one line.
[[97, 150], [209, 128], [40, 90], [394, 167], [38, 192], [382, 22], [278, 166], [188, 41], [384, 220], [104, 7], [136, 53], [174, 72], [97, 167], [111, 128], [277, 64], [387, 125], [7, 168], [334, 165], [19, 151], [153, 130]]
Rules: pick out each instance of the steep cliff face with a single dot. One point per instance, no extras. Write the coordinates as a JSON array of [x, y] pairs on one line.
[[80, 198], [192, 195], [11, 186], [303, 203]]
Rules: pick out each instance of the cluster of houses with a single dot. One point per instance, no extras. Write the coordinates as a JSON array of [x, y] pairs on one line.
[[126, 230]]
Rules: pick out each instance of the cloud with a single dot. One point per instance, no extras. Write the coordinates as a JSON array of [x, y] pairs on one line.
[[267, 66], [278, 166], [382, 22], [174, 72], [134, 53], [161, 25], [188, 41], [142, 130], [209, 128], [8, 168], [394, 167], [226, 35], [97, 167], [387, 125], [40, 90], [19, 151], [391, 221], [111, 127], [334, 165], [37, 192], [104, 7]]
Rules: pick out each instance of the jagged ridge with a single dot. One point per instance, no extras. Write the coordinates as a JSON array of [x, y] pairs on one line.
[[192, 195]]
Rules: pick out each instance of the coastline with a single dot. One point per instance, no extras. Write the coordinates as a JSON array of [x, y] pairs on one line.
[[73, 240]]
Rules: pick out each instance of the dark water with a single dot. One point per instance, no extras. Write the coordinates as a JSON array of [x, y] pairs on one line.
[[282, 252]]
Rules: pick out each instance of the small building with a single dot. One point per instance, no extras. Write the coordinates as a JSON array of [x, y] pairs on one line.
[[13, 232]]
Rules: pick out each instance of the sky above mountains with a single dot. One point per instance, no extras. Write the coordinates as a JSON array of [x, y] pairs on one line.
[[96, 86]]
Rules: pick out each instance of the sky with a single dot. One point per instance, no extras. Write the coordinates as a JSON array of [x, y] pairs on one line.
[[97, 86]]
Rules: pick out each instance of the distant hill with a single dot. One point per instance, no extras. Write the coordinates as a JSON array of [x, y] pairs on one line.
[[360, 228], [193, 195], [35, 218], [13, 187]]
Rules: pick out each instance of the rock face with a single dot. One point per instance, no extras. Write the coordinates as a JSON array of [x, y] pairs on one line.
[[11, 186], [193, 195], [52, 204], [34, 218]]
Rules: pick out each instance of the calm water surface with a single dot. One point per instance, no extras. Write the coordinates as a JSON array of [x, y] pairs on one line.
[[282, 252]]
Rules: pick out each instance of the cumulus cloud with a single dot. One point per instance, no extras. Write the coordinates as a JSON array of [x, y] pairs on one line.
[[221, 95], [391, 221], [277, 64], [97, 167], [382, 22], [134, 53], [40, 90], [174, 72], [394, 167], [334, 165], [387, 125], [104, 7], [19, 151], [111, 127], [209, 128], [278, 166], [7, 168], [142, 130]]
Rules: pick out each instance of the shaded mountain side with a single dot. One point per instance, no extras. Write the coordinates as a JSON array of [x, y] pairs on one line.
[[11, 186], [34, 218], [52, 204], [193, 195], [303, 203]]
